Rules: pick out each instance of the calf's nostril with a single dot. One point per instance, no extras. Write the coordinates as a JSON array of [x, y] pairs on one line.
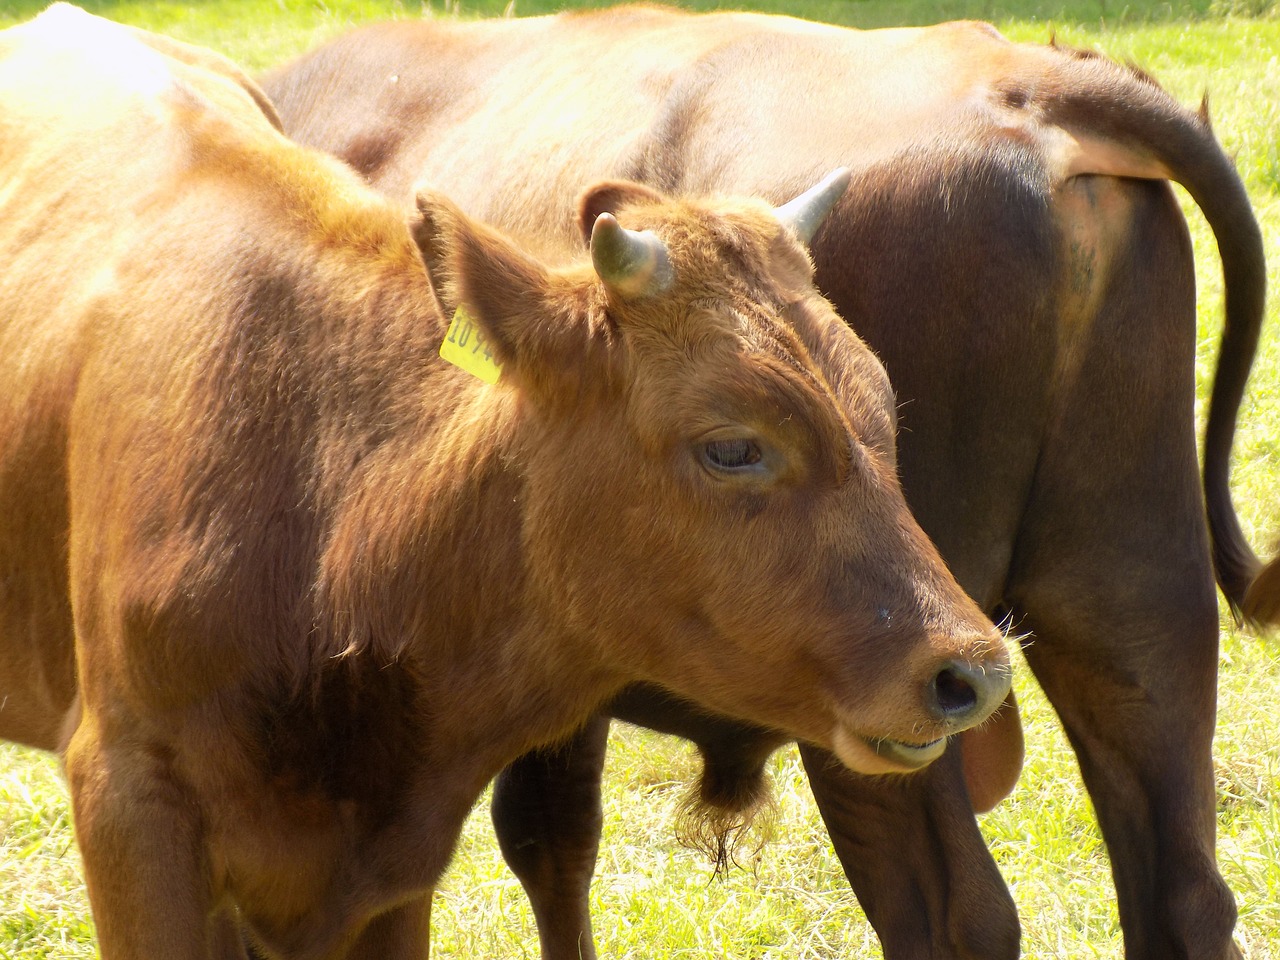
[[954, 692]]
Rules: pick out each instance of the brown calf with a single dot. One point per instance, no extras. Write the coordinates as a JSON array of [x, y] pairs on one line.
[[289, 588], [1009, 250]]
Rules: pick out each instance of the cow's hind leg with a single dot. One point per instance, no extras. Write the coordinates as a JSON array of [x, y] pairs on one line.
[[139, 833], [916, 860], [546, 813], [1113, 579], [1135, 692]]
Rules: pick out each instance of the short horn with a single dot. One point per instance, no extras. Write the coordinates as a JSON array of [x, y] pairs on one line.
[[632, 264], [806, 212]]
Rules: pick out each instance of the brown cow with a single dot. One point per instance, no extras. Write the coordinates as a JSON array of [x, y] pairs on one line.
[[290, 589], [1010, 251]]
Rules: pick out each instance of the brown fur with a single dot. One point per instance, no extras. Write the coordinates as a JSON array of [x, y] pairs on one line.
[[288, 589], [1011, 254]]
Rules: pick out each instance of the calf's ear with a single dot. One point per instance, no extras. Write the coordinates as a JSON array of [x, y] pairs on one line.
[[610, 196], [473, 266], [534, 321]]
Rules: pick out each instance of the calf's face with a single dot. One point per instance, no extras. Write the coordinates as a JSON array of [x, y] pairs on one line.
[[712, 499]]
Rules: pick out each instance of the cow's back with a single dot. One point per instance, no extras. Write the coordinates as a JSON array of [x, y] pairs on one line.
[[443, 89], [642, 92]]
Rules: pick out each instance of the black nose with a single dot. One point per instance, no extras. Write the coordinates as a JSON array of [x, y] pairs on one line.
[[963, 693]]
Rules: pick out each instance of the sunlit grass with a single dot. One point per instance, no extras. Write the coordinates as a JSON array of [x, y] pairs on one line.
[[654, 899]]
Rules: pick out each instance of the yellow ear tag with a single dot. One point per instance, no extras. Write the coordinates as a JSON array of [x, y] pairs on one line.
[[465, 346]]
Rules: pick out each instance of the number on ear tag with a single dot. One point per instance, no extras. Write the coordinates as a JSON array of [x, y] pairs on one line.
[[465, 346]]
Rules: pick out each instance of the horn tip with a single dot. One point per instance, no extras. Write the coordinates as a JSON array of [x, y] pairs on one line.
[[605, 222]]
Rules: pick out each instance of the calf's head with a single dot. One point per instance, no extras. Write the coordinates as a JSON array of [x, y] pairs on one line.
[[708, 458]]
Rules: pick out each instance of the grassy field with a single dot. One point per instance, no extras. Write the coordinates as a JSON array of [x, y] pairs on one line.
[[653, 899]]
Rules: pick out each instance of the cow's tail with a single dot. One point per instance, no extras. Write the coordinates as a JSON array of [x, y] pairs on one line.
[[1122, 122]]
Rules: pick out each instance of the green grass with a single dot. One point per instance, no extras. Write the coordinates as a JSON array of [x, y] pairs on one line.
[[652, 898]]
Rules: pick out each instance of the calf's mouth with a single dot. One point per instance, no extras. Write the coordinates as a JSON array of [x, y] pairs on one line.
[[877, 755]]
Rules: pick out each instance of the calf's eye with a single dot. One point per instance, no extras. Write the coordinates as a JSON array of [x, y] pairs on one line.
[[735, 454]]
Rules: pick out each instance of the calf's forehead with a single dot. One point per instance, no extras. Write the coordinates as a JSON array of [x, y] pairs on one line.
[[723, 244], [743, 321]]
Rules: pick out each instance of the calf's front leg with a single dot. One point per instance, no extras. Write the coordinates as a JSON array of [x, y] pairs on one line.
[[139, 833]]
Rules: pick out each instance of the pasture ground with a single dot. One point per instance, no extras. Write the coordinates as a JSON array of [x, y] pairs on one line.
[[653, 898]]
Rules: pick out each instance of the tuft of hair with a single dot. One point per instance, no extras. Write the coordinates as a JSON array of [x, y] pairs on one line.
[[727, 818], [1261, 608]]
